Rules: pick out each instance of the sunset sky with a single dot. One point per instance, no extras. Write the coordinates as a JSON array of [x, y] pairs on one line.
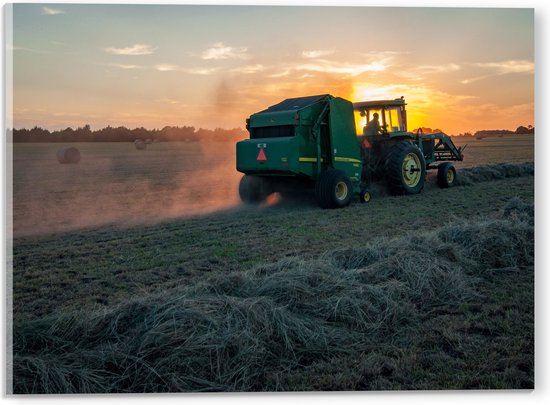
[[212, 66]]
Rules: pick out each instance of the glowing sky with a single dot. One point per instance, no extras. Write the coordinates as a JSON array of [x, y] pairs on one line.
[[212, 66]]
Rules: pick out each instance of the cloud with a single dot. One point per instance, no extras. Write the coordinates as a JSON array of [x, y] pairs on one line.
[[510, 66], [326, 66], [165, 67], [474, 79], [135, 50], [284, 73], [10, 47], [249, 69], [52, 11], [220, 51], [446, 68], [313, 54], [418, 73], [201, 71], [502, 68], [125, 66]]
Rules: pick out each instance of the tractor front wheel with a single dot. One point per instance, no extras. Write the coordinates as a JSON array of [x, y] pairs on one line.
[[446, 175], [405, 169], [253, 189], [333, 189]]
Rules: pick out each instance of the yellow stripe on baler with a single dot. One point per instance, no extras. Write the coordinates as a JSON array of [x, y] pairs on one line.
[[337, 159]]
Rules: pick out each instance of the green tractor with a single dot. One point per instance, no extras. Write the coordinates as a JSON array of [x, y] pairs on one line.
[[313, 141]]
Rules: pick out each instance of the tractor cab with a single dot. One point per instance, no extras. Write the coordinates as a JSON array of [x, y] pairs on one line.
[[380, 117]]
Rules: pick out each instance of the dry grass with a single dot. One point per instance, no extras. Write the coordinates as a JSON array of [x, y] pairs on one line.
[[468, 176]]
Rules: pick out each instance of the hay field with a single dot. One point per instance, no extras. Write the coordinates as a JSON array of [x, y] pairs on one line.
[[494, 150], [432, 291], [114, 183]]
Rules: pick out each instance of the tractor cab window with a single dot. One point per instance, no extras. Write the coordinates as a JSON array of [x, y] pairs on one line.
[[393, 120], [369, 122], [383, 120]]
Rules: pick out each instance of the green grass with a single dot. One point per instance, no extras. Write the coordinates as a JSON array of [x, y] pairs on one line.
[[430, 291]]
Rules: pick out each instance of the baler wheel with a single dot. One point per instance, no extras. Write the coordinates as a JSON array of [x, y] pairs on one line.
[[365, 196], [253, 189], [333, 189], [405, 169]]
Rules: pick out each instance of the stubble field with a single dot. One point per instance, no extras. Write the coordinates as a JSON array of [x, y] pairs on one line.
[[140, 271]]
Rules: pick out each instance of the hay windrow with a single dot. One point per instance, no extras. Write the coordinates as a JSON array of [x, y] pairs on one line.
[[248, 330], [468, 176]]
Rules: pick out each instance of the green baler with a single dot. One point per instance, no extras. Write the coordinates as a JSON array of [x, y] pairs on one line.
[[313, 141]]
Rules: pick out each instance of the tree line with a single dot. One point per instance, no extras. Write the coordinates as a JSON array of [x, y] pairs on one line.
[[484, 133], [182, 134], [123, 134]]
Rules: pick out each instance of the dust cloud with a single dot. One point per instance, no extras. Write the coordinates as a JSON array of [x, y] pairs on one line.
[[115, 184]]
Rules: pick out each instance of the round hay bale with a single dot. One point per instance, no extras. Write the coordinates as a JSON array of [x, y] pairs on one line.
[[148, 141], [140, 144], [69, 155]]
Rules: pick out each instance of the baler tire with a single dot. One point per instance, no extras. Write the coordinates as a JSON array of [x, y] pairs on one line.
[[333, 189], [252, 189], [402, 154], [446, 175]]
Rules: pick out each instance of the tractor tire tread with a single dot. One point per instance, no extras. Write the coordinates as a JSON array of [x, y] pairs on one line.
[[442, 171], [324, 189], [394, 169]]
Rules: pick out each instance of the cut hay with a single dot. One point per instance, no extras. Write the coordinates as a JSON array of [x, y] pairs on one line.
[[478, 174], [470, 175], [247, 331], [68, 155]]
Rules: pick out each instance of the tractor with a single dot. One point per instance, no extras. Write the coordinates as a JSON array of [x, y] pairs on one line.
[[338, 148]]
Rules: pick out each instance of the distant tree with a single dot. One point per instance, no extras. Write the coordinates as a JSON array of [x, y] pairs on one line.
[[525, 130], [522, 130]]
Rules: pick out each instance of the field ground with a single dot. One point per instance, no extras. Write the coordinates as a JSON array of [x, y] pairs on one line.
[[116, 184], [494, 150], [472, 326]]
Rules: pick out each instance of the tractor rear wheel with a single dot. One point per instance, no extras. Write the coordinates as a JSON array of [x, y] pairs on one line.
[[405, 169], [333, 189], [446, 175], [253, 189]]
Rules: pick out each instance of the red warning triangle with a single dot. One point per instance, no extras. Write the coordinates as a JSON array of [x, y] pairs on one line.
[[261, 156]]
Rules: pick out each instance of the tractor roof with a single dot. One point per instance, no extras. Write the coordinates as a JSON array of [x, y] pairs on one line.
[[292, 104], [363, 105]]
